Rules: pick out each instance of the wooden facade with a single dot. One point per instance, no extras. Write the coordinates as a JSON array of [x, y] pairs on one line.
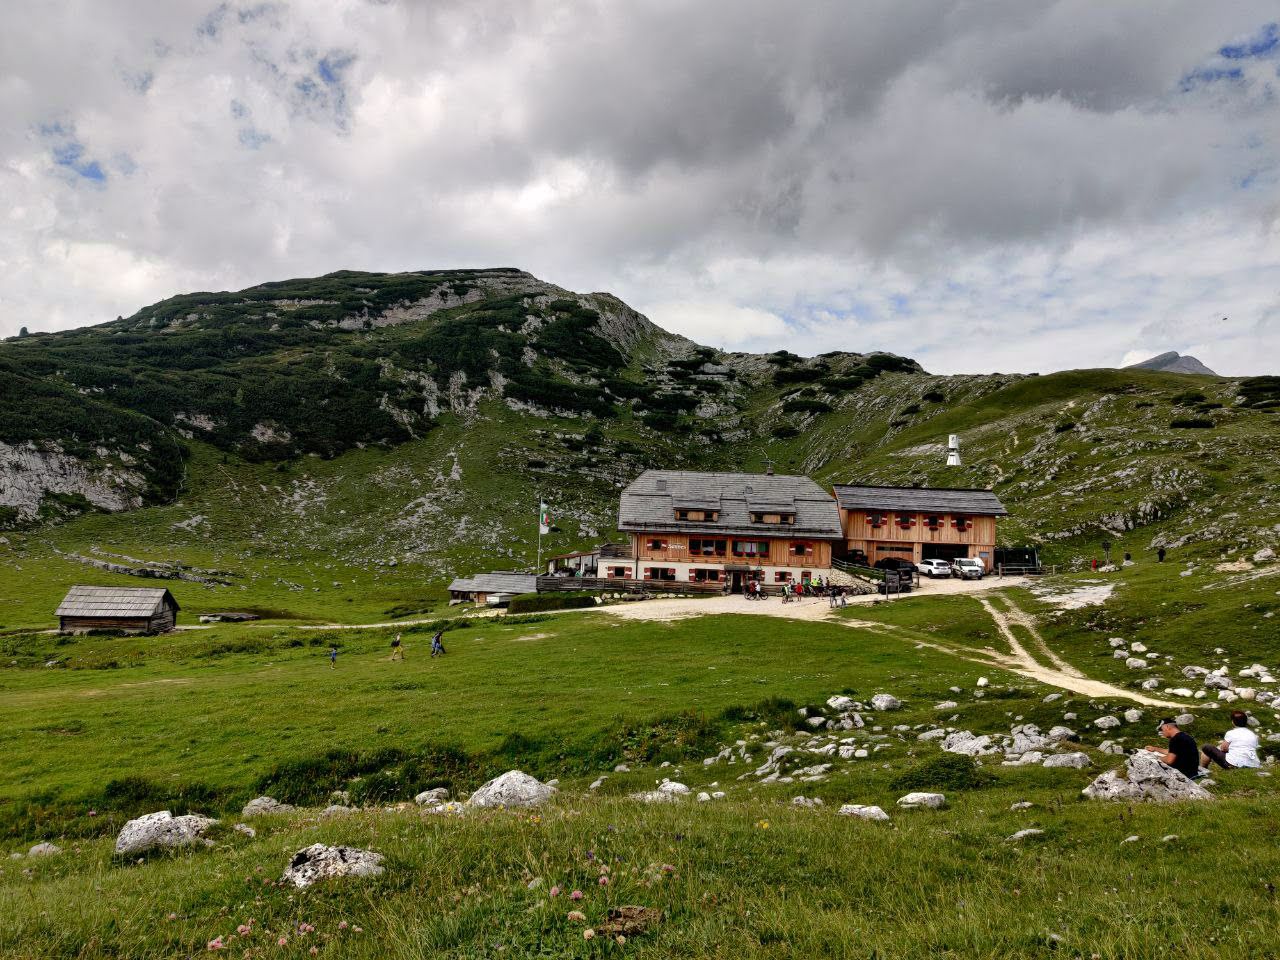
[[759, 550], [123, 609]]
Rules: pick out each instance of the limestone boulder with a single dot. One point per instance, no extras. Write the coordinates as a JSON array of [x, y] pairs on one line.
[[1145, 778], [885, 701], [862, 811], [512, 789], [161, 830], [923, 801], [319, 862], [1077, 760], [260, 805]]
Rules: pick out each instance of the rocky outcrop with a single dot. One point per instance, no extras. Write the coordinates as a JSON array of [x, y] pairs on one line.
[[862, 811], [1146, 779], [29, 473], [319, 862], [161, 830], [260, 805], [512, 789], [922, 801]]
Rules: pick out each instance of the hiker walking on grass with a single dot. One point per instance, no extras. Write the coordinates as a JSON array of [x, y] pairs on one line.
[[1182, 753], [1239, 746], [437, 648], [397, 651], [333, 658]]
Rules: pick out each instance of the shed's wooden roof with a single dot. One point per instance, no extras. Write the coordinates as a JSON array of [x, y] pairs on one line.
[[82, 601], [496, 582]]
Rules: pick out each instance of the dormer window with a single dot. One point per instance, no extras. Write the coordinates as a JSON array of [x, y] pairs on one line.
[[773, 518], [697, 516]]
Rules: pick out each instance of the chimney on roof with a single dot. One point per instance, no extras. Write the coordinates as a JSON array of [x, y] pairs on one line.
[[768, 467], [953, 450]]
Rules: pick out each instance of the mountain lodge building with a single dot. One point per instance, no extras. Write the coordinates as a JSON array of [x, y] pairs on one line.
[[918, 523], [694, 527]]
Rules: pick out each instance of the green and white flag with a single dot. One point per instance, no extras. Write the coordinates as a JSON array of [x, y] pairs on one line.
[[544, 519]]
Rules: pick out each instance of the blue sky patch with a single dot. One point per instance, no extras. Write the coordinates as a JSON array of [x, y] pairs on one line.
[[1203, 76], [71, 155], [1265, 41]]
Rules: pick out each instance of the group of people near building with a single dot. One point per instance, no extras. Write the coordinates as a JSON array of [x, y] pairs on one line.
[[837, 596], [1238, 748]]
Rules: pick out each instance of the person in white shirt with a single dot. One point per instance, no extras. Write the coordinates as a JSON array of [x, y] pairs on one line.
[[1239, 746]]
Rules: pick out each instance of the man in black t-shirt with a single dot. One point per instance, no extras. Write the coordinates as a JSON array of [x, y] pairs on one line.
[[1182, 753]]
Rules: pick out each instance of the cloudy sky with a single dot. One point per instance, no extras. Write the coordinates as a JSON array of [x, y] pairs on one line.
[[980, 184]]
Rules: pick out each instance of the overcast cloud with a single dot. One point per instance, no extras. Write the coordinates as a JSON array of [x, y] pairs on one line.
[[996, 185]]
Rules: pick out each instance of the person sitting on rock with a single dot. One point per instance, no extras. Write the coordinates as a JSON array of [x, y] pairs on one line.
[[1239, 746], [1182, 753]]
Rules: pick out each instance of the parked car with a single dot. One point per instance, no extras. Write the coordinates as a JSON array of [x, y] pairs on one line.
[[894, 563], [858, 558], [968, 568], [935, 568]]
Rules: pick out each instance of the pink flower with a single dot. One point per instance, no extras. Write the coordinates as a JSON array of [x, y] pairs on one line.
[[173, 916], [215, 943], [243, 929], [555, 891], [576, 916], [342, 925], [604, 881], [282, 942], [588, 934], [313, 951], [576, 895], [358, 929]]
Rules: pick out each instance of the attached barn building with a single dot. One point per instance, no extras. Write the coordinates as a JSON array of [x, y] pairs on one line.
[[128, 609]]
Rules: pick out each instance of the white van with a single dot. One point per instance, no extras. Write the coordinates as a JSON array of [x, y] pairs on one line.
[[968, 568]]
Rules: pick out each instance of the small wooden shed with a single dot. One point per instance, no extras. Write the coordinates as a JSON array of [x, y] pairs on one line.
[[129, 609]]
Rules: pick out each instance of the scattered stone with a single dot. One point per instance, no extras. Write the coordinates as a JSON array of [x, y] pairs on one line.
[[1116, 641], [261, 805], [1060, 733], [629, 921], [1106, 723], [597, 783], [1024, 834], [161, 829], [1147, 778], [1052, 698], [1185, 719], [983, 681], [946, 705], [1132, 715], [247, 830], [921, 800], [885, 701], [1151, 684], [969, 745], [676, 789], [1263, 555], [1136, 663], [841, 704], [808, 802], [44, 850], [337, 810], [1169, 838], [1076, 761], [863, 811], [432, 797], [1218, 681], [1133, 839], [704, 797], [622, 768], [1022, 805], [320, 862], [513, 789]]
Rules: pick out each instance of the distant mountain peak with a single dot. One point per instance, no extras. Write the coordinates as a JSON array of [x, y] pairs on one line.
[[1173, 362]]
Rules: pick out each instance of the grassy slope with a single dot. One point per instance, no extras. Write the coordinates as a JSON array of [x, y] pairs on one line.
[[750, 877]]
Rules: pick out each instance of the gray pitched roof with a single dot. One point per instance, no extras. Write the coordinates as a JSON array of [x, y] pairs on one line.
[[650, 501], [920, 499], [82, 601], [496, 582]]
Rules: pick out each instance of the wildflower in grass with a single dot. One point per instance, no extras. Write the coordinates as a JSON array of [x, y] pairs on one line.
[[621, 940], [282, 942], [576, 916], [343, 925], [591, 854], [244, 929], [555, 891], [588, 934], [604, 881], [763, 824], [215, 944], [576, 895], [314, 951], [173, 916], [358, 929]]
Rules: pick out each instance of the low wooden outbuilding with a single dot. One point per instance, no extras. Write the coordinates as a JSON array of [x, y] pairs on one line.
[[128, 609]]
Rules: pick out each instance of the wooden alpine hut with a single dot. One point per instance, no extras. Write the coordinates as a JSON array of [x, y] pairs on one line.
[[128, 609]]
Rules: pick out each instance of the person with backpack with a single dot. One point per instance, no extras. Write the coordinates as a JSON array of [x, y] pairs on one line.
[[397, 651], [437, 646]]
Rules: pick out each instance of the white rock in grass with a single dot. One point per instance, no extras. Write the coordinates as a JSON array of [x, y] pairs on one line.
[[922, 800], [946, 705], [806, 802], [983, 681], [863, 811], [1135, 663], [1132, 715], [1077, 760], [1024, 834], [1050, 698], [670, 786], [1022, 805], [1116, 641], [885, 701], [966, 743], [319, 862], [704, 797], [429, 798], [512, 789], [336, 810], [1152, 684], [1106, 723], [1060, 733], [1146, 778], [44, 850], [260, 805], [840, 704], [161, 829], [247, 830]]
